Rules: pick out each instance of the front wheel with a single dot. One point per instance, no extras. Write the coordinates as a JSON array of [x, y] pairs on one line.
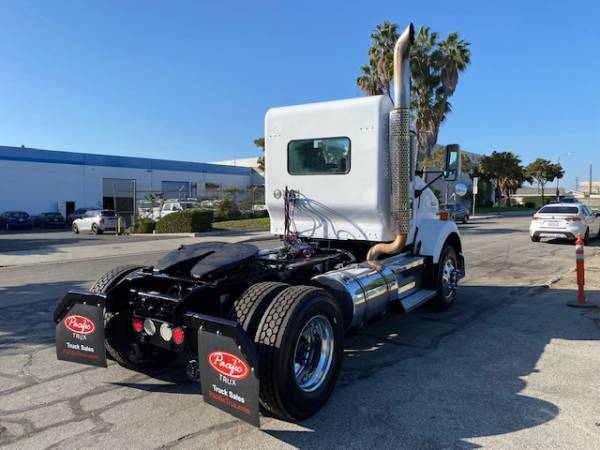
[[535, 238], [75, 228], [300, 342], [446, 278], [465, 219]]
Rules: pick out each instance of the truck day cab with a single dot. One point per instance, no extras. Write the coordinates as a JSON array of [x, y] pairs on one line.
[[360, 234]]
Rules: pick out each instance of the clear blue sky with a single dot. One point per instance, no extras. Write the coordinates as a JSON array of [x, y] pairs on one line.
[[192, 80]]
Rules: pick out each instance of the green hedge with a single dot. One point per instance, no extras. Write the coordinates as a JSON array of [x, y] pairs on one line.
[[188, 221], [144, 226]]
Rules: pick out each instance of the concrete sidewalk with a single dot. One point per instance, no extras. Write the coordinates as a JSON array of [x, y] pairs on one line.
[[108, 250]]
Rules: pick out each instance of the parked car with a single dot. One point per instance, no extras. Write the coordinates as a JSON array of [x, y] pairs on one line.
[[171, 206], [565, 220], [15, 220], [458, 213], [49, 220], [97, 221], [78, 214]]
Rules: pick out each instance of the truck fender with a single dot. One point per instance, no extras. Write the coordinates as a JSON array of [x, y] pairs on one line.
[[433, 235]]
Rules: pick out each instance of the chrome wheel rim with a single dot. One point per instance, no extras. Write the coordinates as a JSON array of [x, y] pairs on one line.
[[313, 354], [449, 280]]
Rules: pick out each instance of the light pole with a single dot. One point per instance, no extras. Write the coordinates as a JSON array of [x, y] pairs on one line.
[[558, 178]]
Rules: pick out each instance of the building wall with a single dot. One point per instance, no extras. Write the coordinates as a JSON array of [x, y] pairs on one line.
[[29, 182]]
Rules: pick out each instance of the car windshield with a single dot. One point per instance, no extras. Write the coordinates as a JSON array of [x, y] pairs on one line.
[[559, 210], [17, 215], [108, 213]]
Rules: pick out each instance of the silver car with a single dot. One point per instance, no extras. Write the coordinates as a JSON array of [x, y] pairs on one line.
[[97, 221], [564, 220]]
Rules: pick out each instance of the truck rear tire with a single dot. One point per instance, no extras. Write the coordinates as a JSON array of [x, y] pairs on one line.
[[250, 307], [300, 341], [118, 332], [445, 278]]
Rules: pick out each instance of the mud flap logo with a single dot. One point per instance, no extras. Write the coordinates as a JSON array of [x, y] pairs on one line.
[[228, 365], [79, 324], [80, 336]]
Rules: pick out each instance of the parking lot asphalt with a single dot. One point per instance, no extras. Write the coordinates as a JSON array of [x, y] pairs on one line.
[[509, 366], [14, 241]]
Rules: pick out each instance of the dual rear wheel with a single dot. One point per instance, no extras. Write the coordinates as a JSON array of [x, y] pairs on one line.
[[299, 332]]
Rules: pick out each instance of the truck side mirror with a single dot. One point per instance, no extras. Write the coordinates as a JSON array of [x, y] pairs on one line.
[[452, 171]]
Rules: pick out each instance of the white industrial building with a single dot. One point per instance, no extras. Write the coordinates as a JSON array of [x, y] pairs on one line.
[[36, 181]]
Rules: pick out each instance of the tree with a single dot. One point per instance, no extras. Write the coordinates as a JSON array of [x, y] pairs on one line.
[[435, 68], [369, 82], [260, 143], [543, 171], [506, 169]]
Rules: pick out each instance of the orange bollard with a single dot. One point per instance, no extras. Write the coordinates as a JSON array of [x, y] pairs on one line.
[[580, 259]]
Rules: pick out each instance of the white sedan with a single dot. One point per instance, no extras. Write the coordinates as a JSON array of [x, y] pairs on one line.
[[564, 220], [97, 221]]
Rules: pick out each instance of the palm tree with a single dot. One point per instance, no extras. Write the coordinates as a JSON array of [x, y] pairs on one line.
[[456, 56], [369, 82], [381, 53], [435, 68]]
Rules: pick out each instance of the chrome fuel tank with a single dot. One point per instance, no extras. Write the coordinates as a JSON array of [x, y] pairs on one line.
[[367, 289]]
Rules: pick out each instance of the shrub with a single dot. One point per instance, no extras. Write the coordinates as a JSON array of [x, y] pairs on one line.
[[530, 205], [488, 204], [188, 221], [227, 210], [144, 225]]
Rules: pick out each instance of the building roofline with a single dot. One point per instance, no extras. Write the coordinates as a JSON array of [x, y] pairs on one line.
[[25, 154]]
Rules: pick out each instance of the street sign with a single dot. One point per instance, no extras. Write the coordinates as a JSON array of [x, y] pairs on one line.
[[475, 182]]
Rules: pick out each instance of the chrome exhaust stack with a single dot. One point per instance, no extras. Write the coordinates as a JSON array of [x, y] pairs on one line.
[[400, 155]]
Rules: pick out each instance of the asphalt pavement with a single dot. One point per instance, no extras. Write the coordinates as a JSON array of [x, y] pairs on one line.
[[509, 366]]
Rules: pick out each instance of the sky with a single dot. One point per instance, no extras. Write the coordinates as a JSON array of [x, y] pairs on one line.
[[192, 80]]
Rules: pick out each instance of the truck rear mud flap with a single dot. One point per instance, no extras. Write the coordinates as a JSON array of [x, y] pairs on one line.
[[80, 328], [228, 365]]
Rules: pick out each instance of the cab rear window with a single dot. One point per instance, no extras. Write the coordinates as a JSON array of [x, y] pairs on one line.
[[559, 210], [319, 156]]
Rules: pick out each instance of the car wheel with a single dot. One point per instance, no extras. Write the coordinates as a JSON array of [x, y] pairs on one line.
[[95, 229], [300, 341], [75, 228], [535, 238], [465, 218]]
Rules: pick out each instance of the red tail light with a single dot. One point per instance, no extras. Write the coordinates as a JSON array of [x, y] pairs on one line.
[[536, 217], [178, 335], [573, 219], [138, 324]]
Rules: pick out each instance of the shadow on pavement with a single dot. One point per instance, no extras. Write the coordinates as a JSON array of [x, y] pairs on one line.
[[434, 380]]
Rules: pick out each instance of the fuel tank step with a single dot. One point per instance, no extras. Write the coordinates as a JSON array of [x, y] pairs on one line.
[[415, 300]]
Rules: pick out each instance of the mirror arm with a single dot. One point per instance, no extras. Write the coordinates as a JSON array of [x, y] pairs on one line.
[[418, 192]]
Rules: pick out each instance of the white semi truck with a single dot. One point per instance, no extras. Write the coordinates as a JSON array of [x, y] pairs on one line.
[[360, 234]]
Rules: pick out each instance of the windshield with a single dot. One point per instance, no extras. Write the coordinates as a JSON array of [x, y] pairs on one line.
[[559, 210]]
